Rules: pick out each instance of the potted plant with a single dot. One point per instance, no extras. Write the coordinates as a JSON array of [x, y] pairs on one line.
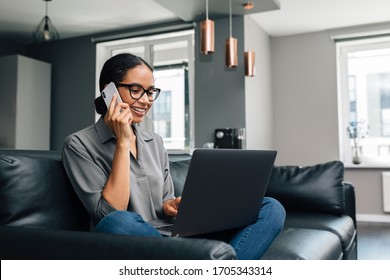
[[357, 130]]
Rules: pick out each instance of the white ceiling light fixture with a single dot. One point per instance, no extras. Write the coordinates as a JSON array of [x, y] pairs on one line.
[[46, 30]]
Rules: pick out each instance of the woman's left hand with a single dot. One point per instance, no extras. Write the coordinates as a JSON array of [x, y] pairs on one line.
[[170, 207]]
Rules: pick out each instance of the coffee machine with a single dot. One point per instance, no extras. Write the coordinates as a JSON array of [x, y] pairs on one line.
[[229, 138]]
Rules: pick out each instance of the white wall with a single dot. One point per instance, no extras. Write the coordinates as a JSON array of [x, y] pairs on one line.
[[304, 88], [305, 98], [258, 95]]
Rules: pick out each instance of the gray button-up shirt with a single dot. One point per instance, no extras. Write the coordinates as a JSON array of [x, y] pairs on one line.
[[87, 156]]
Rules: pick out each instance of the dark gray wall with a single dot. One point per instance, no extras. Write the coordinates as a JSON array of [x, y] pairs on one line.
[[9, 47], [73, 85], [219, 91]]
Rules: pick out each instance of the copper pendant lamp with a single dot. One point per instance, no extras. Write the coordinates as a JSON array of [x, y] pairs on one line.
[[249, 63], [207, 33], [231, 44]]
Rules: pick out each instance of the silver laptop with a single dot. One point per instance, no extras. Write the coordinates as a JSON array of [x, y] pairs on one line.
[[224, 189]]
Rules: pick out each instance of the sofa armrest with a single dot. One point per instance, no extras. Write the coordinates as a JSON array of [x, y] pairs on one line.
[[350, 201], [30, 243]]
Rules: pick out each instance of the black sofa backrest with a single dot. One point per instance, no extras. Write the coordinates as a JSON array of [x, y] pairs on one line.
[[318, 188], [178, 171], [36, 192]]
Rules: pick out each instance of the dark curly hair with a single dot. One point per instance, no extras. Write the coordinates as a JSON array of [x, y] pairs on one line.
[[114, 70]]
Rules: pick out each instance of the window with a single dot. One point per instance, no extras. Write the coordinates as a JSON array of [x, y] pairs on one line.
[[364, 97], [171, 56]]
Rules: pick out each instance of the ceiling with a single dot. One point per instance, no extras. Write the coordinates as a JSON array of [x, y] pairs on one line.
[[19, 18]]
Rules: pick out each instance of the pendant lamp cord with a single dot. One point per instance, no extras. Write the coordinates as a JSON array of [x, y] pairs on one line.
[[207, 9], [230, 18], [47, 8]]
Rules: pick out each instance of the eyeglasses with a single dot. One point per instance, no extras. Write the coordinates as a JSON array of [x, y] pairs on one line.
[[137, 91]]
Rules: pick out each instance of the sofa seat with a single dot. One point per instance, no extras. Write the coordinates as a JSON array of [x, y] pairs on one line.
[[340, 225], [304, 244], [48, 244]]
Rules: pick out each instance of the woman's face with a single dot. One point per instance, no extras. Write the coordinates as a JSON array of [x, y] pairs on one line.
[[143, 76]]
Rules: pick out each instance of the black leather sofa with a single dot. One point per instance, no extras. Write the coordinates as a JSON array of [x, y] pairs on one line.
[[42, 218]]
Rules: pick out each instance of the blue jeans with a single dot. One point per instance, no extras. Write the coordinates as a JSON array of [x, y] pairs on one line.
[[249, 242]]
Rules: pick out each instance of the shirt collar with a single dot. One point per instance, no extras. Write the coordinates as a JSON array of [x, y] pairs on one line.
[[142, 134]]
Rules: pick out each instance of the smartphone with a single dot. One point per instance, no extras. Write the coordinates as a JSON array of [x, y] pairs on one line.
[[108, 92]]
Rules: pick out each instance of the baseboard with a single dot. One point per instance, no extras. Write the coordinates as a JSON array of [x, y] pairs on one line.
[[374, 218]]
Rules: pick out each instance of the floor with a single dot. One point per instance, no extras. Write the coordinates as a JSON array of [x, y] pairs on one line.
[[373, 241]]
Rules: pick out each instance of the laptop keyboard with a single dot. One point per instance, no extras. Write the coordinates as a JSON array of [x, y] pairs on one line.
[[167, 228]]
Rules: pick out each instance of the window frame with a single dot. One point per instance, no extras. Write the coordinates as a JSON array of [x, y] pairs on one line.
[[342, 50]]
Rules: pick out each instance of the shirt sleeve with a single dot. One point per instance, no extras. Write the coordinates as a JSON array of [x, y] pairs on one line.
[[168, 188], [87, 178]]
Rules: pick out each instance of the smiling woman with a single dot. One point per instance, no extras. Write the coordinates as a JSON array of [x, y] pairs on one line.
[[121, 172]]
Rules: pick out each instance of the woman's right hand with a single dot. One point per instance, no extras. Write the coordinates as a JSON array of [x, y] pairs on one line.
[[119, 119], [117, 189]]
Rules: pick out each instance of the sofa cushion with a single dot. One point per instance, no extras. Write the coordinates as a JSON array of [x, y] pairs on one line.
[[27, 198], [315, 188], [340, 225], [304, 244]]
